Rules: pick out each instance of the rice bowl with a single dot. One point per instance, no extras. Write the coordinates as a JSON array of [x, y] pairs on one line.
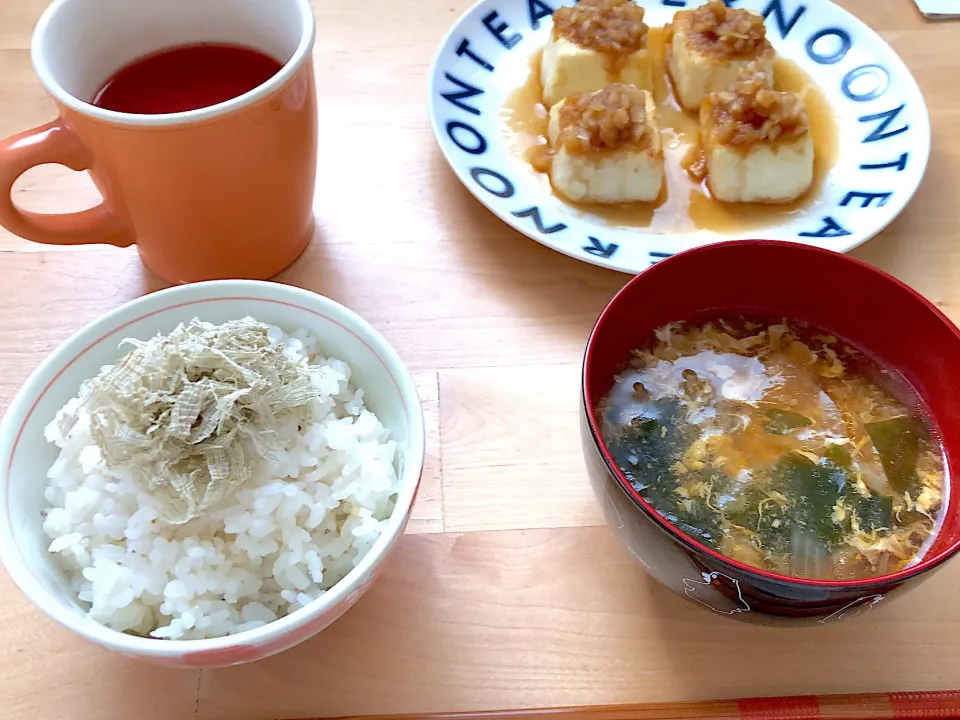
[[280, 560], [290, 533]]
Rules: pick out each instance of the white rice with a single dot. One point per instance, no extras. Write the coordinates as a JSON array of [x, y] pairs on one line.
[[301, 523]]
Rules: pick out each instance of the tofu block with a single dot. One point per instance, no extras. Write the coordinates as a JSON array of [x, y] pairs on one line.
[[567, 69], [762, 173], [629, 172], [756, 142], [592, 44], [701, 62]]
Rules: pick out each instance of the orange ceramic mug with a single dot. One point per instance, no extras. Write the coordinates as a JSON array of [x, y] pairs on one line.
[[225, 191]]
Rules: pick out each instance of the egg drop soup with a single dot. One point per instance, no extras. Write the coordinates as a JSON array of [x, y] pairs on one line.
[[779, 446]]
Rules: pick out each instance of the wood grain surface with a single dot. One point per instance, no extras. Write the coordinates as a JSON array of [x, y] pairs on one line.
[[862, 706], [508, 592]]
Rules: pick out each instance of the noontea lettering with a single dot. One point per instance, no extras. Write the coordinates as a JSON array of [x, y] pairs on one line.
[[827, 46]]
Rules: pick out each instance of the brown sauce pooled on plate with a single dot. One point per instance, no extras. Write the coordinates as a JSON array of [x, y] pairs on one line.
[[684, 205]]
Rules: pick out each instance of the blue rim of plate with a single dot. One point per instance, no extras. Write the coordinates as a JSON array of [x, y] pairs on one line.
[[883, 124]]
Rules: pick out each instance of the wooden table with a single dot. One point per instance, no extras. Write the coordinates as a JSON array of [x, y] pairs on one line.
[[509, 590]]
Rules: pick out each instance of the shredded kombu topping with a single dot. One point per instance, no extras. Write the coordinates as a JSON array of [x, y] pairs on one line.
[[189, 413]]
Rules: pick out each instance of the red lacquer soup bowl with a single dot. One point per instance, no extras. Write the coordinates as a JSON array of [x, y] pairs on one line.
[[868, 308]]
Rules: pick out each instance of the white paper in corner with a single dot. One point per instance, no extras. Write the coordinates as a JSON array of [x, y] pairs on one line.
[[939, 9]]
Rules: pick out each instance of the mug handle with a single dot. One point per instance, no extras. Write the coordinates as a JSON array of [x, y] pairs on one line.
[[54, 142]]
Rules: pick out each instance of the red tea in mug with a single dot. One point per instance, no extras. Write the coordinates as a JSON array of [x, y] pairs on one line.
[[188, 77]]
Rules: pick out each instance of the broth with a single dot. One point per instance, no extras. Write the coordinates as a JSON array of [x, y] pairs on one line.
[[779, 446], [684, 205]]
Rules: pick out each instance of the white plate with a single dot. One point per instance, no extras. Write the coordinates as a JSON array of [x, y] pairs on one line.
[[882, 121]]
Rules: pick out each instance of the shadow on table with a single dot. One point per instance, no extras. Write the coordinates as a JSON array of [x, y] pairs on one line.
[[715, 657], [919, 246], [491, 619], [314, 271], [538, 280]]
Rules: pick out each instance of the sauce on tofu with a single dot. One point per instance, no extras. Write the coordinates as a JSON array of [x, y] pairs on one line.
[[611, 119], [684, 205], [613, 28], [724, 32]]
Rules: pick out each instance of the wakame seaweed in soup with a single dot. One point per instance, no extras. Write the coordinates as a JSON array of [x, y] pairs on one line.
[[779, 446]]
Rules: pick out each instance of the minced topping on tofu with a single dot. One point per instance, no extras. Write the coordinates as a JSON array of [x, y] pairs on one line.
[[611, 118], [727, 32], [753, 112], [607, 26]]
